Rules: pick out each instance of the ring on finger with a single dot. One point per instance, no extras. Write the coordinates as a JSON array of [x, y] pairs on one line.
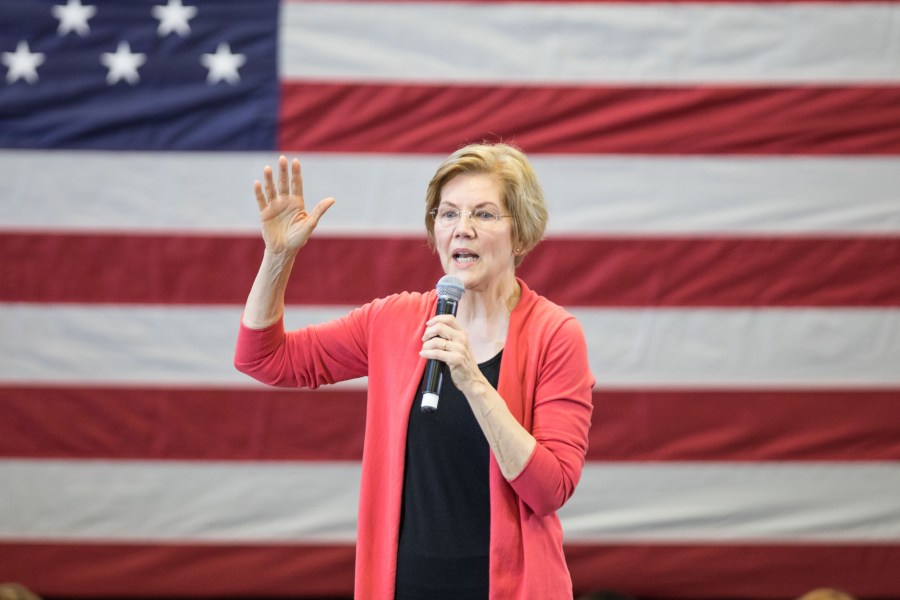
[[445, 345]]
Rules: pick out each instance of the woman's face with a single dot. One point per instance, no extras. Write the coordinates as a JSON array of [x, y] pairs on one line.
[[478, 251]]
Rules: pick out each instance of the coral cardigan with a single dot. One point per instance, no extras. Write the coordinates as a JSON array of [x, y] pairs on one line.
[[545, 380]]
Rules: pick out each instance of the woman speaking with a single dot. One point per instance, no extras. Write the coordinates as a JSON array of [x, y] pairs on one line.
[[459, 502]]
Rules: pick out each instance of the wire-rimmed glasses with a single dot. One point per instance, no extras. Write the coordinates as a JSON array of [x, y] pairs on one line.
[[448, 217]]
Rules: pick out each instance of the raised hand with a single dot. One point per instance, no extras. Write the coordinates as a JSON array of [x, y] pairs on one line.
[[286, 225]]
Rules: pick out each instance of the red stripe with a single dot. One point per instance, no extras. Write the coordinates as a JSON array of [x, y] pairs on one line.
[[730, 425], [686, 571], [175, 424], [736, 570], [690, 272], [123, 423], [97, 570], [820, 120]]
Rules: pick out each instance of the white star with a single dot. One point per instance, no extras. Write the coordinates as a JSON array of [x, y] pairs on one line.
[[22, 63], [223, 65], [73, 17], [174, 17], [123, 64]]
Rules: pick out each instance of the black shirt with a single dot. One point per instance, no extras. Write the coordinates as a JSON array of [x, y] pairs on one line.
[[446, 519]]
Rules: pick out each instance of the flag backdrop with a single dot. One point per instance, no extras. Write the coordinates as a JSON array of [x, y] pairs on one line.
[[724, 189]]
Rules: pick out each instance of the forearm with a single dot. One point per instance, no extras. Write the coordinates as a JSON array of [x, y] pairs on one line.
[[542, 464], [265, 303], [511, 443]]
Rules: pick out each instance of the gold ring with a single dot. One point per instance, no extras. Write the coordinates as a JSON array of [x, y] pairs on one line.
[[445, 345]]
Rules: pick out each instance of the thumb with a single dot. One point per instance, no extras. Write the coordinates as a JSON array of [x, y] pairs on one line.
[[320, 209]]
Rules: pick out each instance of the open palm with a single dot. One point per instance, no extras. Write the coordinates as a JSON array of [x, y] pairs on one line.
[[286, 224]]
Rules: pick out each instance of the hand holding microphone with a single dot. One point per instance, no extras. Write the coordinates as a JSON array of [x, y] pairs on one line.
[[449, 290]]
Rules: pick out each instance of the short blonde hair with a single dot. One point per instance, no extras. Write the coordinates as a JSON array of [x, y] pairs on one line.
[[826, 594], [519, 186], [16, 591]]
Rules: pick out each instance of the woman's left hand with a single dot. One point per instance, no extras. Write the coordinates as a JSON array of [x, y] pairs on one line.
[[446, 341], [511, 444]]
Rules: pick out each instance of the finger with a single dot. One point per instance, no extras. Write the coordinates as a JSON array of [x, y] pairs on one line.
[[319, 210], [296, 179], [437, 330], [283, 178], [260, 197], [448, 320], [269, 182], [438, 348]]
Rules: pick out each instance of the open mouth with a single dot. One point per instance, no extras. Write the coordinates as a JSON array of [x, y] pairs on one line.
[[464, 257]]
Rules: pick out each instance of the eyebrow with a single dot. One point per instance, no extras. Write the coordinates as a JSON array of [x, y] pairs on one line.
[[477, 206]]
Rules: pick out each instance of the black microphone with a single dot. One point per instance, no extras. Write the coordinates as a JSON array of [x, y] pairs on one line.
[[449, 290]]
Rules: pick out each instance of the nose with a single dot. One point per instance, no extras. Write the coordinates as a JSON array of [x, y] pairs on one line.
[[465, 225]]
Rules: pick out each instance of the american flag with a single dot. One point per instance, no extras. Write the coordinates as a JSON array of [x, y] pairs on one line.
[[724, 191]]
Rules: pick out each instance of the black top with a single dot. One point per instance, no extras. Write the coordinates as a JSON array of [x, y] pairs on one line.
[[446, 520]]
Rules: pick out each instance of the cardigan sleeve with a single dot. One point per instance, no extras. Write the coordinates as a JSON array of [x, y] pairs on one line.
[[306, 357], [561, 421]]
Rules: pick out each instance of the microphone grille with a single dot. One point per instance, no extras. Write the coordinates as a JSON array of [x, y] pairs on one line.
[[450, 287]]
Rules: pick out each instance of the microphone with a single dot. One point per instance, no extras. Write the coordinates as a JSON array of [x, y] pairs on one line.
[[449, 290]]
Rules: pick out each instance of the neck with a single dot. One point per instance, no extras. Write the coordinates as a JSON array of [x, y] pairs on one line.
[[486, 316], [490, 305]]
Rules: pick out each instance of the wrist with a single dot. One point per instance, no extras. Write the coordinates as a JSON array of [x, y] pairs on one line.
[[280, 255], [478, 390], [278, 262]]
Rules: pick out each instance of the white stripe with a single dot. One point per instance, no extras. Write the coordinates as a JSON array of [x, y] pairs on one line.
[[582, 43], [208, 501], [316, 502], [747, 348], [137, 345], [594, 195], [680, 502], [645, 348]]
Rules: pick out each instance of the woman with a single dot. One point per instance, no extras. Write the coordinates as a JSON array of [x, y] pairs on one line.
[[461, 502]]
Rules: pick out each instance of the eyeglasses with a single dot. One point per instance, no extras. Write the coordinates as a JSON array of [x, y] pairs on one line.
[[448, 217]]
